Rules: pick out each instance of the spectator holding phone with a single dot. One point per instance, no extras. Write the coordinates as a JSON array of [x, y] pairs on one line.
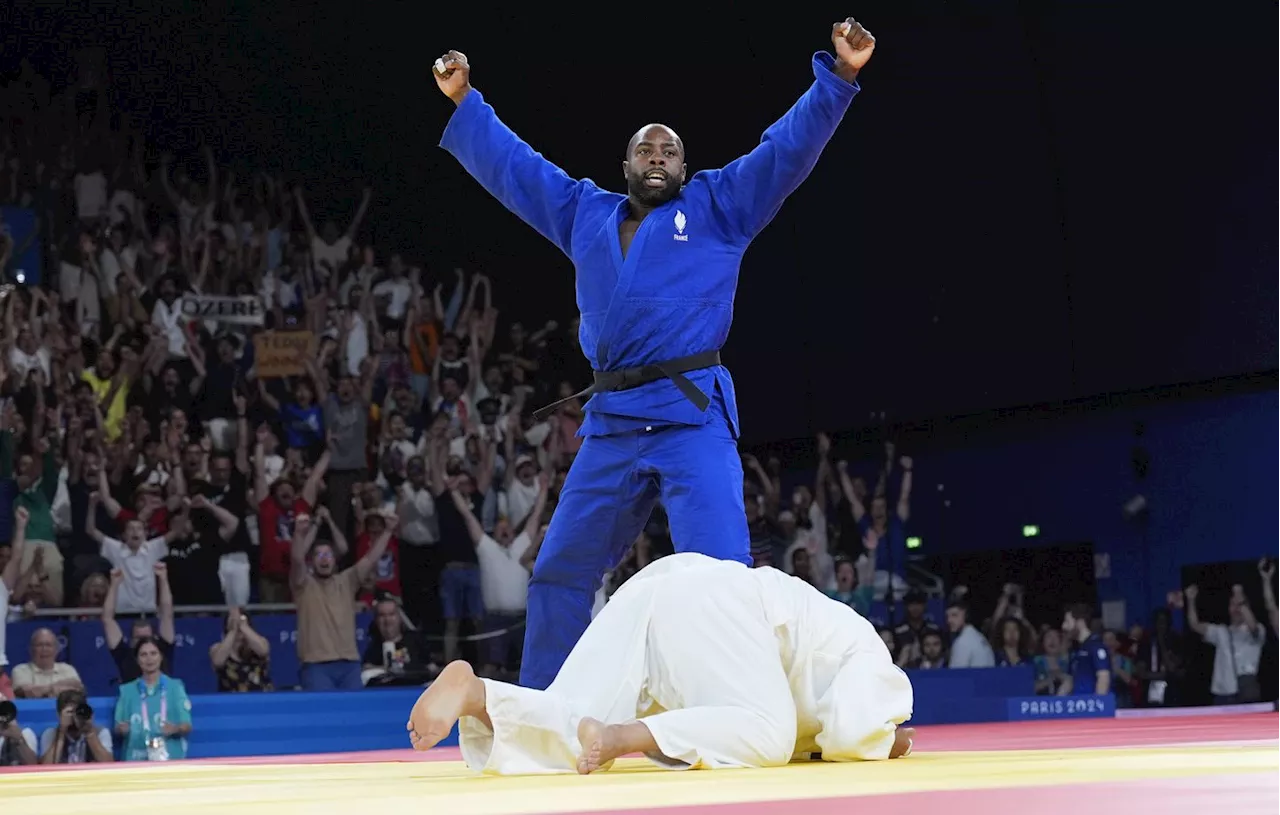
[[242, 659]]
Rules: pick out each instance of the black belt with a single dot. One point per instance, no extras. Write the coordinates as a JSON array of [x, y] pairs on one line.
[[629, 378]]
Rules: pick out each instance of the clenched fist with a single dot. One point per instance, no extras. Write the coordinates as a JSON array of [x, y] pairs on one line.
[[453, 75], [854, 45]]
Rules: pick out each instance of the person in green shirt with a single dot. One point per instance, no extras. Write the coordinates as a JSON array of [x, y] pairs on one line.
[[37, 483], [853, 589]]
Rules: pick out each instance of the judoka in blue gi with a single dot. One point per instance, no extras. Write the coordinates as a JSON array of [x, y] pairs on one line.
[[656, 273]]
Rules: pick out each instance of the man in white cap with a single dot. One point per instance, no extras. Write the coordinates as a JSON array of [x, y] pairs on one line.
[[697, 663], [521, 489]]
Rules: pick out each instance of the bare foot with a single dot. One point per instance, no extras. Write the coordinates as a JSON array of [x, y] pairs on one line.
[[599, 745], [456, 692], [902, 742]]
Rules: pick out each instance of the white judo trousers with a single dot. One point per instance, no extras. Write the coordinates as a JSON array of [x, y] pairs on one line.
[[727, 666]]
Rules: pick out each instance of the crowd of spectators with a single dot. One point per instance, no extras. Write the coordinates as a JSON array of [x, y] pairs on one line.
[[143, 439], [386, 460]]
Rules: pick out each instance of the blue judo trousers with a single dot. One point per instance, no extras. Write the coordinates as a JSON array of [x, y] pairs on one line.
[[670, 296]]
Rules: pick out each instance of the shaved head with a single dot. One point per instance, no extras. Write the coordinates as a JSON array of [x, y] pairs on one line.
[[656, 134], [654, 167]]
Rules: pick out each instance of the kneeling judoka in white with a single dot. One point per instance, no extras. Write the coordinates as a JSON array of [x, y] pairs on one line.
[[697, 663]]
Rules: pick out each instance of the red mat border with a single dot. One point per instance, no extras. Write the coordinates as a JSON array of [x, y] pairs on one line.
[[1238, 793]]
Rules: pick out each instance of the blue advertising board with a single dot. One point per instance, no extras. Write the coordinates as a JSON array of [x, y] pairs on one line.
[[84, 645], [1030, 708]]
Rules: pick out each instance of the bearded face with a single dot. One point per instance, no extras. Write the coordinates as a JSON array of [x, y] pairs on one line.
[[655, 167]]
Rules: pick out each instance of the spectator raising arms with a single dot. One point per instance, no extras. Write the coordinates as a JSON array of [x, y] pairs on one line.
[[9, 574], [163, 635], [326, 617], [1238, 647]]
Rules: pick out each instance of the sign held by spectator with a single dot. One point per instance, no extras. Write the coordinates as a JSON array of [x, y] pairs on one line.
[[245, 310], [281, 353]]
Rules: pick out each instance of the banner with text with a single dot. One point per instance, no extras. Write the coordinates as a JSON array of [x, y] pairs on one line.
[[1025, 708], [245, 310], [281, 353]]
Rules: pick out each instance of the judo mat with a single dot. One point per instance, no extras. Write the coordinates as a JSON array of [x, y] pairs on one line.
[[1168, 765]]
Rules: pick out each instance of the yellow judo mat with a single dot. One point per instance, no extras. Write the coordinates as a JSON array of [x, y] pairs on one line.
[[447, 787]]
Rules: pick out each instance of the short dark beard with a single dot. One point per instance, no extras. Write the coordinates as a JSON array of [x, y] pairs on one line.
[[649, 196]]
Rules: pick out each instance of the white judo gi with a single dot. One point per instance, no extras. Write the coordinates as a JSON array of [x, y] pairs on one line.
[[727, 666]]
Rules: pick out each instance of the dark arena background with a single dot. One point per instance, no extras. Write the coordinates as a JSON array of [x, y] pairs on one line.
[[1009, 351]]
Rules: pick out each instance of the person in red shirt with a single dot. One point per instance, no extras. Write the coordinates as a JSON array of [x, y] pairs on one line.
[[386, 572], [279, 506]]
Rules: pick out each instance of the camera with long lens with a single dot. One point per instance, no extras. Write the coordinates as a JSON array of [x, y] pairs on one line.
[[8, 712]]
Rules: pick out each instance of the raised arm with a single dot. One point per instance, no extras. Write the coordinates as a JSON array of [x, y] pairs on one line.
[[856, 507], [228, 523], [311, 488], [1267, 570], [1248, 619], [261, 489], [110, 627], [272, 404], [303, 213], [242, 432], [474, 529], [304, 534], [1193, 614], [91, 517], [533, 188], [752, 188], [164, 605], [366, 565], [12, 569], [221, 651], [533, 520], [257, 643], [340, 543], [488, 456], [823, 474], [354, 226], [904, 492], [174, 199]]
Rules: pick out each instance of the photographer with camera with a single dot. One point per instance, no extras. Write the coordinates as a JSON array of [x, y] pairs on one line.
[[17, 743], [77, 739]]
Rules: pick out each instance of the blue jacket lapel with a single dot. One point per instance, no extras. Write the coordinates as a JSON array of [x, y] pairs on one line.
[[627, 267]]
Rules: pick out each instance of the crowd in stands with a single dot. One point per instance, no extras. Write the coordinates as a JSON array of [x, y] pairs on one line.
[[360, 439]]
